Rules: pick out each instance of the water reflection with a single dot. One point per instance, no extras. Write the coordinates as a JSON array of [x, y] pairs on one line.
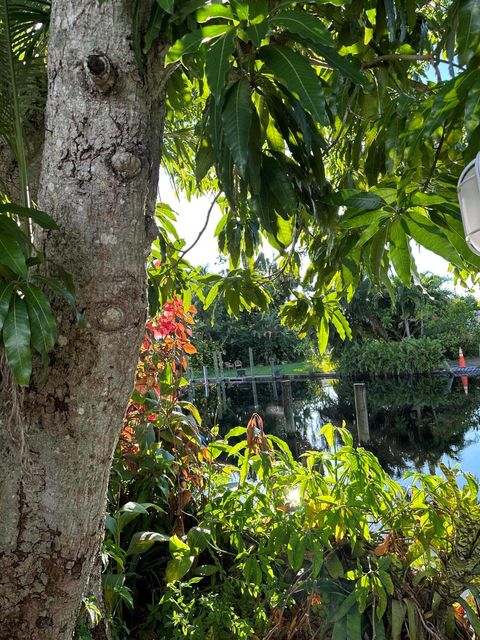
[[414, 423]]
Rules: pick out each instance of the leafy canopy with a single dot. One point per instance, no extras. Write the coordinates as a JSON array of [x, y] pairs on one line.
[[333, 131]]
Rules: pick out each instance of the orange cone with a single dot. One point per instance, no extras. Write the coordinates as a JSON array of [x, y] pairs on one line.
[[463, 365]]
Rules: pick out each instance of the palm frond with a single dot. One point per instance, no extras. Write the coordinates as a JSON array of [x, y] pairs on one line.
[[23, 30]]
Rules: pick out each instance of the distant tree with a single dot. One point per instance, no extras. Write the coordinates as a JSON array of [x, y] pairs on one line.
[[429, 309], [216, 330]]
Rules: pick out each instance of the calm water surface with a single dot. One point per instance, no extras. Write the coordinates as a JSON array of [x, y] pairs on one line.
[[414, 424]]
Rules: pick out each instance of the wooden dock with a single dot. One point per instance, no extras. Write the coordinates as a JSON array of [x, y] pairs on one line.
[[453, 371]]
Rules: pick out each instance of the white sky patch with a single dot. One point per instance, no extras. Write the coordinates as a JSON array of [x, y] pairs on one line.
[[191, 218]]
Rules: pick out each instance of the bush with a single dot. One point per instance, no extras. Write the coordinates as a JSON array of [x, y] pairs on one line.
[[273, 548], [389, 358]]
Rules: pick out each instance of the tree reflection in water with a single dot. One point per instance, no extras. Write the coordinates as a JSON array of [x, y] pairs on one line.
[[414, 423]]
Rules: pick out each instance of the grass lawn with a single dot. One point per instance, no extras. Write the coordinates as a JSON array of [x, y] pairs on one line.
[[264, 370]]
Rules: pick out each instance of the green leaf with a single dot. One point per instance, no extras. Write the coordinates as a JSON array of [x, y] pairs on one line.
[[344, 608], [400, 252], [398, 617], [355, 199], [340, 630], [304, 24], [426, 233], [471, 615], [237, 117], [412, 618], [5, 295], [296, 74], [334, 566], [176, 545], [16, 340], [214, 11], [328, 431], [178, 567], [323, 333], [468, 33], [198, 538], [354, 625], [40, 217], [297, 545], [12, 257], [240, 9], [191, 42], [279, 183], [217, 63], [56, 285], [42, 322], [344, 66], [167, 5], [142, 541], [11, 228], [257, 32]]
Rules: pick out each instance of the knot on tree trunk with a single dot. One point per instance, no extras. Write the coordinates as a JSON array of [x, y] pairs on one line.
[[100, 72], [126, 164]]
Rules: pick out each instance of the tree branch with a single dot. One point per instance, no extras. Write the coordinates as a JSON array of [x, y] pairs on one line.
[[408, 57]]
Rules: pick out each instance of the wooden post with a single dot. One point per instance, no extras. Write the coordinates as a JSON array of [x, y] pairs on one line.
[[205, 380], [272, 365], [274, 384], [220, 364], [254, 384], [361, 409], [288, 407]]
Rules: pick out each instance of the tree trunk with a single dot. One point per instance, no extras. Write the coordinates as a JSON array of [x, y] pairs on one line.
[[99, 178]]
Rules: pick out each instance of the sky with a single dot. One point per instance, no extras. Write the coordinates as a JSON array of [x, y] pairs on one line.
[[191, 218]]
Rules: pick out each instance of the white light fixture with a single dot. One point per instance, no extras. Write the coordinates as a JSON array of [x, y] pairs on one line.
[[469, 197]]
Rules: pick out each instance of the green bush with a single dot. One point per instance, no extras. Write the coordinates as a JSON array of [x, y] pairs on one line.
[[267, 547], [387, 357]]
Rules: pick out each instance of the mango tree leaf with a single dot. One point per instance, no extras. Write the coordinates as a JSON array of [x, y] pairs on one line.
[[142, 541], [398, 616], [400, 252], [296, 74], [12, 256], [217, 63], [354, 624], [257, 32], [167, 5], [10, 228], [430, 236], [56, 285], [178, 567], [42, 322], [468, 33], [323, 333], [40, 217], [5, 295], [214, 11], [297, 545], [16, 340], [279, 185], [191, 42], [237, 118], [303, 24], [344, 66]]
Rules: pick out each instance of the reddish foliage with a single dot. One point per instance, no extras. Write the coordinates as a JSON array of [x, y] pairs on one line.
[[166, 343]]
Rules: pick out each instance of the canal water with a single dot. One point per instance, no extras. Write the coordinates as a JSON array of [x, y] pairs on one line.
[[415, 424]]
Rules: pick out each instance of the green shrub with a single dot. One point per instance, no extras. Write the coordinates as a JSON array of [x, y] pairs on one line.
[[272, 548], [387, 357]]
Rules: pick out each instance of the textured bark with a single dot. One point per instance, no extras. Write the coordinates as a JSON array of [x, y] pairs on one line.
[[99, 176]]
